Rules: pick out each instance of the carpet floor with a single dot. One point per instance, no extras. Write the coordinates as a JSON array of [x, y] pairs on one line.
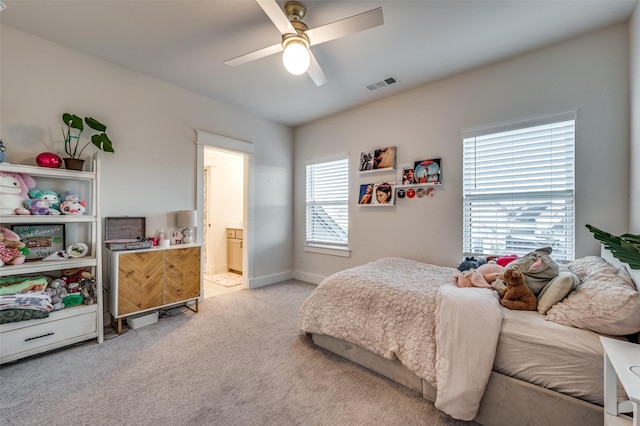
[[241, 360]]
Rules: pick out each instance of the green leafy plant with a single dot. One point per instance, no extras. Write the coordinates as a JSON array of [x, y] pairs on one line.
[[75, 126], [625, 248]]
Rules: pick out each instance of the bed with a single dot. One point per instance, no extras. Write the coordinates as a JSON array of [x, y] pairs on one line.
[[460, 349]]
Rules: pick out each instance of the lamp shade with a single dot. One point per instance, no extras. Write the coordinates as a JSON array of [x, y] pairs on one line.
[[296, 57], [186, 218]]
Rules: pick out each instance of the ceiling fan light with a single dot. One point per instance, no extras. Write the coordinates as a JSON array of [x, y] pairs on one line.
[[296, 57]]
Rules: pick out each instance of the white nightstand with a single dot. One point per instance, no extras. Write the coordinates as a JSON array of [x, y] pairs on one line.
[[619, 357]]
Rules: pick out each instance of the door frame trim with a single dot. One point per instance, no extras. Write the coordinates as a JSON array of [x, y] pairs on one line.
[[237, 146]]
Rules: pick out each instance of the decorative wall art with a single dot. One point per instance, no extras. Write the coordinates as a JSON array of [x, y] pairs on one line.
[[420, 172], [406, 174], [41, 240], [377, 194], [427, 171], [366, 193], [384, 195], [378, 159]]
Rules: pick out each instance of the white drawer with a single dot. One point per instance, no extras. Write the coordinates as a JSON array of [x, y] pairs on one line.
[[49, 335]]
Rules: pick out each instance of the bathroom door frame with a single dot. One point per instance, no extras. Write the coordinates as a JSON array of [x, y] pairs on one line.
[[247, 149]]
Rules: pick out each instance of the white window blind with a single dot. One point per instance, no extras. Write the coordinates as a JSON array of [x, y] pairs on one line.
[[519, 190], [328, 203]]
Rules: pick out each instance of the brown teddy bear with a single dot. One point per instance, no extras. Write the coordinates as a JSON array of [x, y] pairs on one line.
[[516, 295]]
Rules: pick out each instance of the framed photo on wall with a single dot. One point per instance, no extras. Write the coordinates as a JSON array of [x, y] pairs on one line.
[[377, 194], [378, 159], [41, 240], [428, 171], [366, 193], [406, 174], [384, 194]]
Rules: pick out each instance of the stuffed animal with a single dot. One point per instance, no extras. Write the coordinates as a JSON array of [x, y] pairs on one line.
[[470, 263], [12, 250], [72, 300], [38, 207], [69, 196], [516, 295], [74, 275], [505, 260], [73, 205], [549, 281], [50, 197], [481, 277], [57, 291], [88, 290], [14, 190]]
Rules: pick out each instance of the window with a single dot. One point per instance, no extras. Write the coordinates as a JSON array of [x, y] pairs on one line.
[[328, 204], [519, 188]]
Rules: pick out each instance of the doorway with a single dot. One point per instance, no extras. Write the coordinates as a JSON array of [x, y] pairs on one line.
[[219, 184], [223, 220]]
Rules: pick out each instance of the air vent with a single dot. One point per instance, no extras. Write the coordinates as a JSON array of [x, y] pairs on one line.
[[382, 83]]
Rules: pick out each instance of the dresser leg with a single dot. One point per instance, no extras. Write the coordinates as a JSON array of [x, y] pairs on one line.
[[116, 324]]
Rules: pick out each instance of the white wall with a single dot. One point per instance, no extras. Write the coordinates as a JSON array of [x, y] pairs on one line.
[[152, 125], [634, 51], [589, 74]]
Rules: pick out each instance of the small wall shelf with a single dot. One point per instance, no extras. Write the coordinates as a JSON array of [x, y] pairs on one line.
[[419, 185]]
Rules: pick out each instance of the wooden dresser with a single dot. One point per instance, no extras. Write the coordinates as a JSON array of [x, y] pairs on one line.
[[149, 279]]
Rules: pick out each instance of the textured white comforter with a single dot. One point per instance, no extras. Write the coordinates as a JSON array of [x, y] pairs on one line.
[[392, 307]]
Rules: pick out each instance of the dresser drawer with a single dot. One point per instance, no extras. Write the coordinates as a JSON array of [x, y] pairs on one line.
[[234, 233], [48, 335]]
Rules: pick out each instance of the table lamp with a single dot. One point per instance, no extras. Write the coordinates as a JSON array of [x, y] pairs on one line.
[[187, 221]]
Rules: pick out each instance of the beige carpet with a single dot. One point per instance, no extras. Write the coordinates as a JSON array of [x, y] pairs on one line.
[[240, 361]]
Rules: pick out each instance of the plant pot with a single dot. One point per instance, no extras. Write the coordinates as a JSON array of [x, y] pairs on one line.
[[73, 164]]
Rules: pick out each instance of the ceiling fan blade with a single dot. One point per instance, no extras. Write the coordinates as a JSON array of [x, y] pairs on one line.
[[315, 72], [277, 16], [258, 54], [344, 27]]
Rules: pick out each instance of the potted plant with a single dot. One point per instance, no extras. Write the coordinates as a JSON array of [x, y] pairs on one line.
[[72, 139]]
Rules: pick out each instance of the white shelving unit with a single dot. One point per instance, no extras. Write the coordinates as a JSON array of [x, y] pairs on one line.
[[74, 324]]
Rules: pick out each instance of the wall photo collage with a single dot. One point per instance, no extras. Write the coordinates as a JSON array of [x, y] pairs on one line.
[[414, 180]]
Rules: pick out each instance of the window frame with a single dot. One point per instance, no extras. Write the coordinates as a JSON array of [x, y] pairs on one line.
[[542, 196], [334, 248]]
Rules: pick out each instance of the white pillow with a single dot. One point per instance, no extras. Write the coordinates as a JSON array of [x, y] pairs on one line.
[[606, 301]]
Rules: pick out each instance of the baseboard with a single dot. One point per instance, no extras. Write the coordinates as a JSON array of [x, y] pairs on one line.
[[269, 279], [307, 277]]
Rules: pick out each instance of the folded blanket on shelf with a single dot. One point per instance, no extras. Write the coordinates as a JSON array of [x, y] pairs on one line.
[[35, 300], [15, 315]]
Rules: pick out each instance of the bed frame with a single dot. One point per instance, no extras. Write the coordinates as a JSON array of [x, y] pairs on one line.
[[506, 400]]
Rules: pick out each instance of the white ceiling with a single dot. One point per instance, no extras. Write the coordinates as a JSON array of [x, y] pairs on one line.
[[185, 42]]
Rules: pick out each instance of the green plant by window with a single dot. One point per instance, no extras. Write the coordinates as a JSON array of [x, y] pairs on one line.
[[625, 248], [72, 137]]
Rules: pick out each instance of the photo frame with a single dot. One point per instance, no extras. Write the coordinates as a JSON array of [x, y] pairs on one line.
[[406, 175], [428, 171], [377, 194], [41, 240], [378, 160], [365, 196]]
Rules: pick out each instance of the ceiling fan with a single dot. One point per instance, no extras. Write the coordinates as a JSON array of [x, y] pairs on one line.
[[297, 38]]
